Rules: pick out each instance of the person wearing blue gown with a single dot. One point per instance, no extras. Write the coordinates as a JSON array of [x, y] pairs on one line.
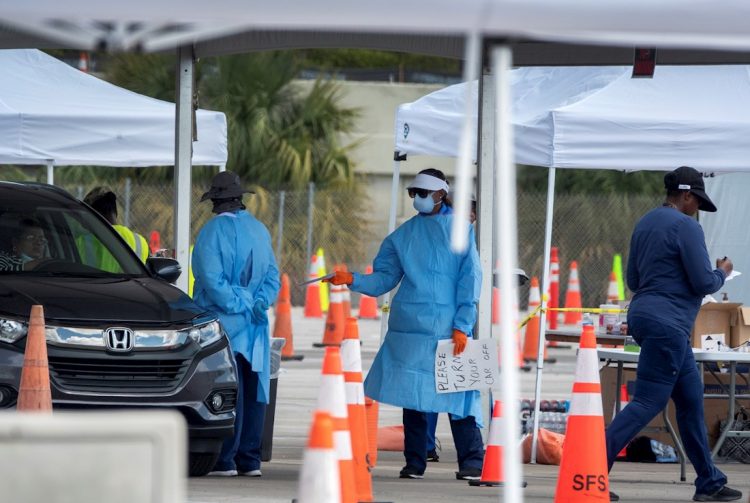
[[436, 300], [237, 278]]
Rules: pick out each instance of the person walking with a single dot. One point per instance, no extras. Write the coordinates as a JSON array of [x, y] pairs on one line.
[[236, 277], [436, 300], [669, 272]]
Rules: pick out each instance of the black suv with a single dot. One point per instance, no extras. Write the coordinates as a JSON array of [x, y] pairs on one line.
[[118, 334]]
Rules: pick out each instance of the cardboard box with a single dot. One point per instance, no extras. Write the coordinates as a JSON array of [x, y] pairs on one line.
[[714, 409], [741, 329], [715, 318]]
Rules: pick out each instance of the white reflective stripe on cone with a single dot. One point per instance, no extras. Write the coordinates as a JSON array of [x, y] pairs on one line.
[[332, 396], [587, 366], [355, 393], [319, 478], [335, 297], [342, 443], [586, 404], [350, 358], [496, 435]]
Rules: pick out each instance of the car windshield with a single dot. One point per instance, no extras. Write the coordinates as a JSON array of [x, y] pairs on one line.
[[62, 241]]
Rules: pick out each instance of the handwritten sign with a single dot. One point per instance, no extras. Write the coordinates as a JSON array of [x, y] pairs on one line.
[[474, 369]]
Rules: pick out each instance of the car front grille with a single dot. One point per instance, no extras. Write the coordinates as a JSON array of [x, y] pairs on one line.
[[117, 375]]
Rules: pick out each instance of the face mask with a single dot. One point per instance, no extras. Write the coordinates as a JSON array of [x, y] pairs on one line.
[[25, 258], [424, 204]]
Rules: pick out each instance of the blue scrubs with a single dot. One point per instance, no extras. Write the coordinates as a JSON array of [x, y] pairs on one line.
[[670, 272], [438, 292], [234, 268]]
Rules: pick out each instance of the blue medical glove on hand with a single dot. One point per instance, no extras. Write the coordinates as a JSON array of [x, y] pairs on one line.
[[258, 313]]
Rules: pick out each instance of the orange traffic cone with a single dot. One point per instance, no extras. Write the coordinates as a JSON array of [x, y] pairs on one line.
[[334, 329], [282, 326], [83, 61], [554, 289], [583, 469], [531, 338], [154, 242], [312, 294], [332, 399], [495, 305], [573, 296], [34, 391], [355, 401], [346, 298], [368, 306], [613, 295], [319, 477], [371, 410], [623, 402], [492, 469]]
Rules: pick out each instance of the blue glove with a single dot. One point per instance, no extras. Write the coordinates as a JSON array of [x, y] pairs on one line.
[[258, 313]]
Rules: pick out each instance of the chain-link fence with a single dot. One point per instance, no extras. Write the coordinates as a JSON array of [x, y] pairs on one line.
[[588, 229]]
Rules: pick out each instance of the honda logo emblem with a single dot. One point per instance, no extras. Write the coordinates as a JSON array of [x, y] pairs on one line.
[[119, 339]]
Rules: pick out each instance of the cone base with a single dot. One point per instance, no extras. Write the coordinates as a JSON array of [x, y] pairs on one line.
[[489, 483], [546, 360], [525, 368], [292, 357], [325, 344]]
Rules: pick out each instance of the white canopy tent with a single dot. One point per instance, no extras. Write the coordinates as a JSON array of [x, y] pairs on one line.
[[599, 118], [53, 114]]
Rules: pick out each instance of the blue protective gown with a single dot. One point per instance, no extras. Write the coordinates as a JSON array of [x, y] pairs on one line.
[[234, 265], [439, 292]]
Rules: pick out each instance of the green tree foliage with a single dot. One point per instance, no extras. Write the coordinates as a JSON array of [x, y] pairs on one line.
[[592, 181]]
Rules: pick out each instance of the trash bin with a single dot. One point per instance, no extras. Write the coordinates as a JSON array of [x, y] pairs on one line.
[[266, 444]]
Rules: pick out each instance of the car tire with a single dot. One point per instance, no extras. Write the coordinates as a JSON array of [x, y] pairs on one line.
[[200, 463]]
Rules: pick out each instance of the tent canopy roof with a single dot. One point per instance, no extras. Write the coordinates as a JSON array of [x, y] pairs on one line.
[[50, 111], [601, 118]]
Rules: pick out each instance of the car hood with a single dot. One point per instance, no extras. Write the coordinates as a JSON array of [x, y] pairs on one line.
[[95, 301]]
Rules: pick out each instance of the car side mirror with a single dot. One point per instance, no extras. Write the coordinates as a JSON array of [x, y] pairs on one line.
[[167, 269]]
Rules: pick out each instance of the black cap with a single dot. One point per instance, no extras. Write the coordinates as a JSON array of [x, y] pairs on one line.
[[97, 194], [225, 185], [687, 178]]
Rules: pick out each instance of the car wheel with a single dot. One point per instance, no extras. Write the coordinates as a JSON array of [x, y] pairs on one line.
[[202, 462]]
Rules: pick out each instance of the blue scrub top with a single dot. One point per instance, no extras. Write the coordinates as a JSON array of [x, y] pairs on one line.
[[234, 265], [438, 292]]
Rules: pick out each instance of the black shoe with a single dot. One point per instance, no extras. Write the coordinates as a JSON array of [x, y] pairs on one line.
[[409, 472], [613, 496], [432, 456], [469, 474], [723, 494]]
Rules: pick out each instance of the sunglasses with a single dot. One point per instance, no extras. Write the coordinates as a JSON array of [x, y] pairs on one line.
[[419, 192]]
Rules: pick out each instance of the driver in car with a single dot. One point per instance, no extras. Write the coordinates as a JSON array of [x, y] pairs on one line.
[[28, 246]]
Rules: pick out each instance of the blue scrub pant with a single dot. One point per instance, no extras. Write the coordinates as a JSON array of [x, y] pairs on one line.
[[666, 368], [242, 451], [432, 419], [466, 437]]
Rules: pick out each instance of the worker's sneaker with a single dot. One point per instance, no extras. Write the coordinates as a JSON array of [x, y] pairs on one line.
[[723, 494], [469, 474], [409, 472], [223, 473], [613, 496], [432, 456], [252, 473]]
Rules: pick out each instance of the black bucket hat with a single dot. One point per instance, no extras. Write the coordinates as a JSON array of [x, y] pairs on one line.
[[98, 194], [687, 178], [225, 185]]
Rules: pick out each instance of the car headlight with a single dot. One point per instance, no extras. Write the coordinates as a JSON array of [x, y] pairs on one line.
[[12, 330], [206, 334]]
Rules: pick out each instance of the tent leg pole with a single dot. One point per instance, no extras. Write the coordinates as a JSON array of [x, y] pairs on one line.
[[183, 159], [506, 230], [543, 314], [50, 173], [397, 158]]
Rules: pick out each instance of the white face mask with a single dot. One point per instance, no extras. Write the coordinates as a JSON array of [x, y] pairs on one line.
[[424, 204]]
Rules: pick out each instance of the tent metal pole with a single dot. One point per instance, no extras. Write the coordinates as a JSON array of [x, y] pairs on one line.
[[222, 167], [543, 314], [50, 172], [506, 230], [485, 202], [395, 182], [183, 159]]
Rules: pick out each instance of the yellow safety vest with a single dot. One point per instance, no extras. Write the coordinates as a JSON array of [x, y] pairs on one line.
[[191, 278], [137, 242]]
